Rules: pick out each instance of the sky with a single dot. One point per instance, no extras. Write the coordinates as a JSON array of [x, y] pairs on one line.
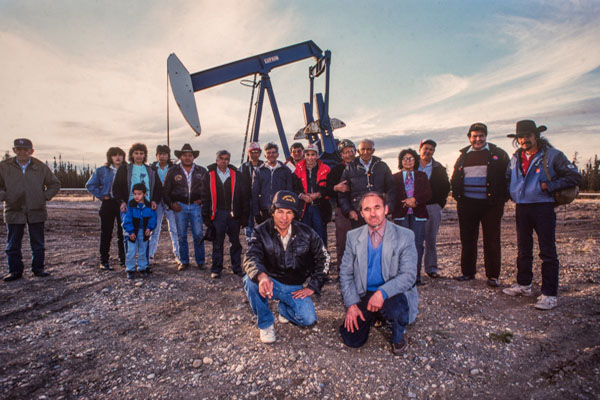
[[80, 76]]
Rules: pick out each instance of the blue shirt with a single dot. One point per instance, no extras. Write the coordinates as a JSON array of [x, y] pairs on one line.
[[139, 174], [162, 172], [366, 165], [24, 167], [374, 276], [428, 169], [223, 176]]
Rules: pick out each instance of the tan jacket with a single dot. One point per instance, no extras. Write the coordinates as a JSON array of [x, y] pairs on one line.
[[25, 195]]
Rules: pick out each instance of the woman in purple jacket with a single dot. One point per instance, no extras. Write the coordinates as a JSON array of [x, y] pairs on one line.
[[412, 193]]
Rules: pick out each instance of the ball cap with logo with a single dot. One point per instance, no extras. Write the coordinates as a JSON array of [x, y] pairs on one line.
[[285, 199], [23, 143], [526, 127], [253, 146], [312, 147]]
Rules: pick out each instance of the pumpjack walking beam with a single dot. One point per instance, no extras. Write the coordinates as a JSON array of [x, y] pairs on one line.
[[185, 84]]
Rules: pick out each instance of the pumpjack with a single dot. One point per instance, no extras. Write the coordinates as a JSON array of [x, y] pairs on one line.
[[319, 131]]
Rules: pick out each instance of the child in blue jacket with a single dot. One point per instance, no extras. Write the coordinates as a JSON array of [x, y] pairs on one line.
[[138, 223]]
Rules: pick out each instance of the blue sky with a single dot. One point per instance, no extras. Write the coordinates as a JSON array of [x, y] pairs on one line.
[[82, 76]]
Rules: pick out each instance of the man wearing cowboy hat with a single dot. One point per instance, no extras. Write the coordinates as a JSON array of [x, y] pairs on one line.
[[184, 185], [283, 253], [533, 194]]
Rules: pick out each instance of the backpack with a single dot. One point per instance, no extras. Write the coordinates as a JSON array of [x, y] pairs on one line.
[[562, 196]]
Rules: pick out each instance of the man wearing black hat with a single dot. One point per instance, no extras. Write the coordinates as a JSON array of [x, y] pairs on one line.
[[26, 184], [440, 187], [479, 187], [537, 171], [184, 185], [282, 254]]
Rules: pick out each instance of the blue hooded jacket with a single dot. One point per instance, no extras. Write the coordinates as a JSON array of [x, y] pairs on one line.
[[526, 189], [139, 216]]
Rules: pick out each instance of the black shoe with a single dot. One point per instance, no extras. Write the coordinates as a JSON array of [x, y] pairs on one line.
[[433, 275], [239, 273], [144, 273], [464, 278], [106, 267], [122, 262], [12, 277], [148, 270], [400, 348], [183, 266], [130, 275], [41, 274], [200, 266], [493, 282]]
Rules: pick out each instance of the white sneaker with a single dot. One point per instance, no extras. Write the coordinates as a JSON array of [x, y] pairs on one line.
[[267, 335], [283, 320], [546, 302], [518, 290]]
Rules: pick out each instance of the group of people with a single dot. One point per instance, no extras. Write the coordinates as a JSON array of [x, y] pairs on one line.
[[386, 224]]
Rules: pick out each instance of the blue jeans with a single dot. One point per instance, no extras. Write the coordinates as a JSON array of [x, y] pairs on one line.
[[161, 210], [190, 214], [541, 218], [13, 247], [312, 218], [298, 311], [138, 248], [418, 228], [250, 227]]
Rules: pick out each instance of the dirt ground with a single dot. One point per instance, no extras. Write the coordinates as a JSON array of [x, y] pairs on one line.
[[83, 333]]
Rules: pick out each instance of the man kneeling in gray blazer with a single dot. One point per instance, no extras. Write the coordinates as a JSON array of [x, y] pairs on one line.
[[377, 276]]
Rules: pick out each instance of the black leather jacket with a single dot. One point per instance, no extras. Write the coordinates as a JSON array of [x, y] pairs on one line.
[[176, 186], [304, 257]]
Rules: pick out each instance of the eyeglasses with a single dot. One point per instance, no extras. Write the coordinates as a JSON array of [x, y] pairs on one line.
[[365, 149], [407, 159]]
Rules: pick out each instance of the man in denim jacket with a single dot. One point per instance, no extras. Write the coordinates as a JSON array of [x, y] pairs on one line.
[[533, 194]]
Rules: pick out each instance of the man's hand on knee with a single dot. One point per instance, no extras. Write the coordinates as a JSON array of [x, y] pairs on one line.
[[375, 302], [352, 315], [302, 293]]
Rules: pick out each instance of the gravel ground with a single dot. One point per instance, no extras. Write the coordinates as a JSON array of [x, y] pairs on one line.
[[83, 333]]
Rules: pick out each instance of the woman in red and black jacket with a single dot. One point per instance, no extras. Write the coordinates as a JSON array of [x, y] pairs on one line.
[[412, 194]]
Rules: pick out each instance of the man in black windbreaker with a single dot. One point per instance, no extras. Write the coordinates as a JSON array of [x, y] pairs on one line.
[[366, 173], [282, 254]]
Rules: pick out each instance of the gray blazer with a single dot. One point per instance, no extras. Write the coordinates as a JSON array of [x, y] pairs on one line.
[[399, 265]]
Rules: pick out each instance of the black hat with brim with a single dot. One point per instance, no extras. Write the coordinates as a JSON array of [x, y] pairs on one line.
[[186, 149], [526, 127]]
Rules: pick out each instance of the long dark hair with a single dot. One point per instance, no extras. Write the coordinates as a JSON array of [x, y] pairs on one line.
[[113, 151]]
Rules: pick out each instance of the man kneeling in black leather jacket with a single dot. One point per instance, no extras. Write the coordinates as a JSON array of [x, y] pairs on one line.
[[282, 254]]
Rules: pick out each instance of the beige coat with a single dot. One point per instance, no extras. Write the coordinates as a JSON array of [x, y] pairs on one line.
[[25, 195]]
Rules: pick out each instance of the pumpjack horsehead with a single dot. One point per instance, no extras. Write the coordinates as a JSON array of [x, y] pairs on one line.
[[319, 131]]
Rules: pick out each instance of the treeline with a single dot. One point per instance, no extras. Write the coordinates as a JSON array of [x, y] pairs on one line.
[[69, 175], [591, 175]]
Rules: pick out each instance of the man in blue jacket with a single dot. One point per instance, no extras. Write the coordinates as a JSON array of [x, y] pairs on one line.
[[533, 193], [270, 178]]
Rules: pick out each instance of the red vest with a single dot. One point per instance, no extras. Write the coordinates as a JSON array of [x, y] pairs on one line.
[[213, 190], [322, 172]]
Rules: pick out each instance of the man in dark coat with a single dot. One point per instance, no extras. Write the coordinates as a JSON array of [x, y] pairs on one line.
[[366, 173], [440, 187], [479, 187], [225, 209]]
